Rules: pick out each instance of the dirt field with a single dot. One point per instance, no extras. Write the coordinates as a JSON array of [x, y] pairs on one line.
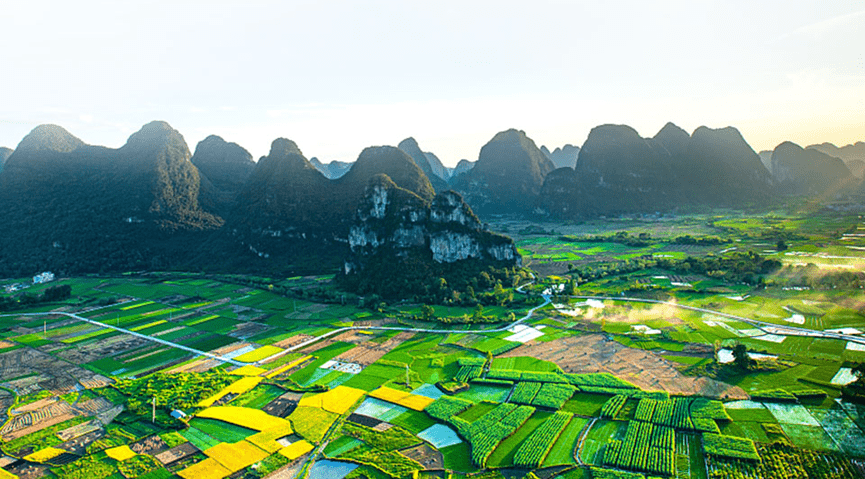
[[49, 413], [292, 341], [366, 352], [54, 374], [176, 453], [593, 353], [101, 349], [203, 365], [428, 457]]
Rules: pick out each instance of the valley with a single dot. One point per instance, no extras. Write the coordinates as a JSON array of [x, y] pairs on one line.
[[580, 374]]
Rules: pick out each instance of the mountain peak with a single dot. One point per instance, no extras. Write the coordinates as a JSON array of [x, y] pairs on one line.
[[671, 129], [408, 142], [673, 138], [226, 165], [422, 160], [508, 175], [49, 138], [396, 163], [154, 136], [282, 147]]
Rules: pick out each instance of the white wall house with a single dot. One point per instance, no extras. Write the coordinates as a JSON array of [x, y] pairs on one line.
[[45, 277]]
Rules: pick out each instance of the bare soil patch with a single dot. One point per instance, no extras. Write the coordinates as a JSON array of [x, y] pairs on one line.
[[593, 353], [101, 349], [367, 352], [203, 365], [176, 453], [428, 457], [152, 445], [283, 405], [292, 341], [54, 374]]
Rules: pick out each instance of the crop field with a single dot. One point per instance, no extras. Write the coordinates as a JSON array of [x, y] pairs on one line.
[[630, 370]]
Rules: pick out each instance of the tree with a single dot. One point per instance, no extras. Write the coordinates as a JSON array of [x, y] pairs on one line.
[[781, 245], [478, 313], [427, 312], [741, 358], [858, 370]]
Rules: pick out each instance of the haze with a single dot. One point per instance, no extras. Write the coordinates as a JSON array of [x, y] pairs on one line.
[[338, 76]]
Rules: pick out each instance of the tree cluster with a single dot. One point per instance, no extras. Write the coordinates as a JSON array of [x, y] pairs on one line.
[[24, 300]]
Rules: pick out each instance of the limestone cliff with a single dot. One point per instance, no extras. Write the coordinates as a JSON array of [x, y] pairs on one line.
[[398, 232]]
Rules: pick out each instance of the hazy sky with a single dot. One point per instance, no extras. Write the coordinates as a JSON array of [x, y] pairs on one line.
[[339, 76]]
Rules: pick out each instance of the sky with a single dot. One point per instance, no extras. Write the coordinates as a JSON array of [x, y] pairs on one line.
[[338, 76]]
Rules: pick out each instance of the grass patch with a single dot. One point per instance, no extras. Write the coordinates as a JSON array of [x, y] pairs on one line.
[[312, 422], [222, 431], [586, 404], [503, 455]]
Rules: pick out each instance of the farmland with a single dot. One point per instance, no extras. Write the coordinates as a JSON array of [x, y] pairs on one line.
[[591, 387]]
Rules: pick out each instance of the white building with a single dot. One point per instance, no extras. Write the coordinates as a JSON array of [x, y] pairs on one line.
[[45, 277]]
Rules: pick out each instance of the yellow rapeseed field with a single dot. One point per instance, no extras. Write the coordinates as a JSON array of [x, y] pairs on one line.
[[259, 354], [248, 370], [206, 469], [388, 394], [237, 387], [254, 419], [7, 475], [411, 401], [148, 325], [296, 449], [236, 456], [43, 455], [267, 439], [137, 305], [120, 453], [416, 402], [338, 400]]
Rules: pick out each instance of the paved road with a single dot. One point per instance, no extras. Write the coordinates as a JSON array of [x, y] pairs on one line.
[[133, 333]]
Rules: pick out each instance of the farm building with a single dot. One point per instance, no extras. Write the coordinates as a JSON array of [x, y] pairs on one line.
[[45, 277]]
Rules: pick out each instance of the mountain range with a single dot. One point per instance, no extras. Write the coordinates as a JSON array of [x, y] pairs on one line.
[[72, 207], [565, 156], [618, 171], [853, 155]]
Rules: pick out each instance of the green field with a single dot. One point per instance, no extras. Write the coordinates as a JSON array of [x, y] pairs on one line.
[[606, 258]]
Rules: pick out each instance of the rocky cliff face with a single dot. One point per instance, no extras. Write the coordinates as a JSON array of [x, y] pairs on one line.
[[394, 225]]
